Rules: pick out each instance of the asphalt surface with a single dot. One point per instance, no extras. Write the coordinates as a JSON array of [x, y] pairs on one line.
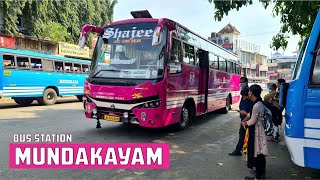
[[199, 152]]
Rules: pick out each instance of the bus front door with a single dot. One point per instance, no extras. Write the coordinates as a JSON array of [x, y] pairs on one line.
[[204, 75]]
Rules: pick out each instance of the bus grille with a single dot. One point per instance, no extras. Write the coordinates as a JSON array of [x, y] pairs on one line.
[[117, 112]]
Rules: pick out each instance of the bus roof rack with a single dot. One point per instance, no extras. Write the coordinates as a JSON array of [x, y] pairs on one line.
[[141, 14]]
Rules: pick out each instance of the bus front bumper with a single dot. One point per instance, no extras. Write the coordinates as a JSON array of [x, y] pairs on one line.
[[145, 117]]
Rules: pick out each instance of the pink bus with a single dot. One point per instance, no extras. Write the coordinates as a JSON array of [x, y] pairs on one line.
[[156, 72]]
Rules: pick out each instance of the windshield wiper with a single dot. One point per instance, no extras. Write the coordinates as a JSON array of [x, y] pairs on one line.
[[114, 70], [101, 70]]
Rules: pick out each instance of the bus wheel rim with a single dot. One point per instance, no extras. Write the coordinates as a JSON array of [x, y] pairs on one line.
[[50, 96]]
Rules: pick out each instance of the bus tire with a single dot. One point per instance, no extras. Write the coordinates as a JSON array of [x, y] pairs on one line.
[[79, 97], [23, 101], [186, 117], [49, 97], [228, 105]]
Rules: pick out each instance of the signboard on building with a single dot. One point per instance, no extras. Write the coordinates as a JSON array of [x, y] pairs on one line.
[[228, 46], [73, 50], [7, 41]]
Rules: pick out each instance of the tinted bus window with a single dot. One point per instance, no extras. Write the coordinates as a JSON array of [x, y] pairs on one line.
[[214, 63], [238, 69], [85, 68], [23, 62], [229, 67], [36, 64], [8, 61], [68, 67], [299, 60], [176, 51], [222, 64], [77, 68], [58, 66], [316, 68], [188, 54], [47, 65]]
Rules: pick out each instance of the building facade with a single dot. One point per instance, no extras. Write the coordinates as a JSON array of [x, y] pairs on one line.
[[254, 63], [280, 66]]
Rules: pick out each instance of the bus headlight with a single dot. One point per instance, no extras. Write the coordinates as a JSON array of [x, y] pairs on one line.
[[152, 104], [94, 111]]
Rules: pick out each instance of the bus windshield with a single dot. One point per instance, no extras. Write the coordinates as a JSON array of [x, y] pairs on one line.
[[299, 60], [126, 51]]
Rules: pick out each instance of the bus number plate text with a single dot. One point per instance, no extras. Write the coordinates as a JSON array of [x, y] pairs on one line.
[[112, 118]]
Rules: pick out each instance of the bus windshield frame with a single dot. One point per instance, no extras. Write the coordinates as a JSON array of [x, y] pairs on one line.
[[125, 51]]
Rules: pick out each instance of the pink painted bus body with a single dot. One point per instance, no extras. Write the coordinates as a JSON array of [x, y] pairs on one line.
[[203, 88]]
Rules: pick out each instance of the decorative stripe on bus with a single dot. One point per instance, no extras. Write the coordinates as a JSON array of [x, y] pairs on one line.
[[20, 94], [312, 133], [70, 90], [312, 123], [24, 90], [70, 87], [177, 91], [24, 87]]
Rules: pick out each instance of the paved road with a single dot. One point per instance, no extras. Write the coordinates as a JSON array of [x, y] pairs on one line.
[[200, 152]]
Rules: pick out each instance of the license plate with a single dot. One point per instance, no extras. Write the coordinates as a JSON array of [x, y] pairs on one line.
[[112, 118]]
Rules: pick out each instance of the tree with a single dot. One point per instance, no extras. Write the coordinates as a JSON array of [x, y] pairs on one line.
[[11, 10], [297, 17], [42, 18], [55, 31], [110, 9]]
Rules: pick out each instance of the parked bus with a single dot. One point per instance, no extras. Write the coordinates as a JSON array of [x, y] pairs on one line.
[[302, 130], [156, 72], [27, 76]]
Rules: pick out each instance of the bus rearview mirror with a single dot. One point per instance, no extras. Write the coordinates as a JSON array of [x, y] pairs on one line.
[[82, 41]]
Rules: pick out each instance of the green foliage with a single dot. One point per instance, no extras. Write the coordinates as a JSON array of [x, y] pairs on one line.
[[55, 31], [11, 10], [43, 18], [297, 17]]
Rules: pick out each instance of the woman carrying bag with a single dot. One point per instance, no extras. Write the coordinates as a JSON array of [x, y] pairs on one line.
[[256, 145]]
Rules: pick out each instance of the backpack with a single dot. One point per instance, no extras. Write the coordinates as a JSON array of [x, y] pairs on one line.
[[276, 113], [268, 122], [283, 95]]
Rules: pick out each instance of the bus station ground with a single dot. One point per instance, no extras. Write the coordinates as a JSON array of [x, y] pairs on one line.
[[199, 152]]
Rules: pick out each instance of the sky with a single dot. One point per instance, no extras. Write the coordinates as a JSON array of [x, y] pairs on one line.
[[256, 24]]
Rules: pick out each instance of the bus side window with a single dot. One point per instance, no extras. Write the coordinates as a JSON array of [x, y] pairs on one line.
[[36, 64], [175, 56], [85, 68], [47, 65], [237, 69], [316, 68], [229, 66], [222, 64], [188, 54], [23, 62], [68, 67], [58, 66], [214, 63], [8, 61], [77, 68]]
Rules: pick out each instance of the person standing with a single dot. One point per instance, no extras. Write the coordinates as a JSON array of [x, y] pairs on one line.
[[244, 83], [271, 94], [257, 142], [244, 108], [275, 102]]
